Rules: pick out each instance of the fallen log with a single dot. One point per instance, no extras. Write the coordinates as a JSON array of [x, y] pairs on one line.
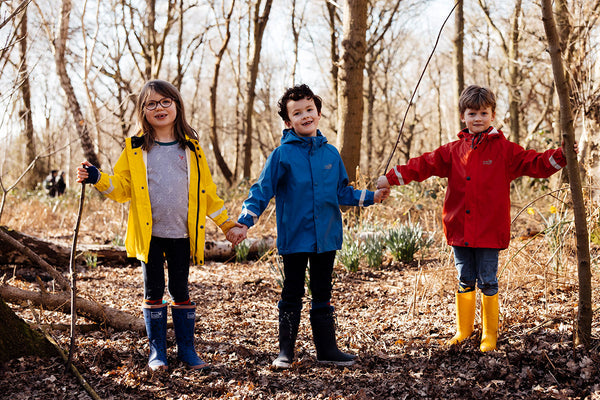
[[57, 254], [15, 245], [61, 301]]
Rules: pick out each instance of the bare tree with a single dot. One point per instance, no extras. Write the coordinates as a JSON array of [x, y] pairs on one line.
[[458, 53], [333, 21], [511, 51], [259, 21], [214, 137], [350, 84], [37, 173], [381, 22], [60, 47], [583, 333], [297, 22]]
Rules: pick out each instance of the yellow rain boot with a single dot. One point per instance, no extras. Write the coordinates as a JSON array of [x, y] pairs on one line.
[[465, 316], [490, 312]]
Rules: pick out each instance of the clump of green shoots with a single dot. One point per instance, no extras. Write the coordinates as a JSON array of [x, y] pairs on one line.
[[242, 250], [350, 254], [405, 240]]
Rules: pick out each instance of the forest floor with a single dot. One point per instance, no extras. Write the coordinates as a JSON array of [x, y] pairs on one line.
[[396, 319]]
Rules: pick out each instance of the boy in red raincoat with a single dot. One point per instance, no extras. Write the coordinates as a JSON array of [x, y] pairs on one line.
[[480, 166]]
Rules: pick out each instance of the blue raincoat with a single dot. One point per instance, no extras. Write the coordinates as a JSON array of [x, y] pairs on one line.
[[307, 177]]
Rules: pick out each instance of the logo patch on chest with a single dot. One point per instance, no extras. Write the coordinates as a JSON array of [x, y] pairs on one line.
[[487, 162], [328, 166]]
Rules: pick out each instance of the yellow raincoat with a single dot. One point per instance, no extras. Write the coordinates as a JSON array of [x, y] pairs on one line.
[[130, 183]]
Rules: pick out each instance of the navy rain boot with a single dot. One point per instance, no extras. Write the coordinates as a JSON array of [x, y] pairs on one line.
[[289, 321], [184, 321], [323, 327], [156, 328]]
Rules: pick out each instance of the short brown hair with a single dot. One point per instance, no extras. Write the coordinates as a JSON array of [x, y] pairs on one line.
[[296, 93], [476, 98]]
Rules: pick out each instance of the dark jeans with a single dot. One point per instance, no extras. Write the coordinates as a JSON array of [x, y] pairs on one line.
[[294, 266], [477, 265], [177, 254]]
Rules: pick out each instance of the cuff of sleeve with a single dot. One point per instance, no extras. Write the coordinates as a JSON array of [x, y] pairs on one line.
[[370, 197], [560, 158], [391, 177], [226, 226], [93, 175]]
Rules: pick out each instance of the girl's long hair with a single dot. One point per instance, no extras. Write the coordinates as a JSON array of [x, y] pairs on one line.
[[181, 128]]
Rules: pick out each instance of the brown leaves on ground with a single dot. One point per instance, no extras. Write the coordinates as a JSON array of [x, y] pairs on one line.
[[396, 319]]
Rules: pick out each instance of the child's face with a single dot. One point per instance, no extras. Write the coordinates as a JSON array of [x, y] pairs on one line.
[[479, 120], [162, 115], [304, 117]]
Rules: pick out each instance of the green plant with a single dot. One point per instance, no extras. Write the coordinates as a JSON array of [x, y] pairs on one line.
[[374, 250], [405, 240], [118, 241], [350, 254], [557, 226], [91, 259], [242, 250], [276, 268]]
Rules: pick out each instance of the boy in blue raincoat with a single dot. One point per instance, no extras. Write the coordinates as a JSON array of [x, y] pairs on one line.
[[308, 179]]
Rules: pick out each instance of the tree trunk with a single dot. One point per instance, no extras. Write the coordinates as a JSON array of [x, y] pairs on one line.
[[459, 64], [350, 84], [65, 82], [214, 136], [514, 77], [260, 23], [582, 334], [37, 174], [333, 45], [17, 339]]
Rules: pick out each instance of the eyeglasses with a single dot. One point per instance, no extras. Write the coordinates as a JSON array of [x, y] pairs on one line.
[[165, 103]]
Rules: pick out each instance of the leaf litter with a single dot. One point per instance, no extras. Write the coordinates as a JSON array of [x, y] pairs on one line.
[[396, 319]]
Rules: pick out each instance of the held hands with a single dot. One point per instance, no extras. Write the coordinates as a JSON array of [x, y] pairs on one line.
[[237, 234], [383, 183], [381, 195]]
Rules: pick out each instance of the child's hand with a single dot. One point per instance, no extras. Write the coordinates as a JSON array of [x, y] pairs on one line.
[[87, 173], [237, 234], [575, 147], [381, 195], [383, 183]]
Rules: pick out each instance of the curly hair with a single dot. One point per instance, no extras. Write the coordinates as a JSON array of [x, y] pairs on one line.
[[296, 93]]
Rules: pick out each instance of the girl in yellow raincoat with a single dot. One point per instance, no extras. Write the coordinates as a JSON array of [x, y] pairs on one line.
[[164, 174]]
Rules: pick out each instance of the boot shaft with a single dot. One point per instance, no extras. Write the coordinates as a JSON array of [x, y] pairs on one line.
[[322, 321], [155, 318]]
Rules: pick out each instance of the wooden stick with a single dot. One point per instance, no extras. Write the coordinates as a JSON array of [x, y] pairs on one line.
[[74, 277]]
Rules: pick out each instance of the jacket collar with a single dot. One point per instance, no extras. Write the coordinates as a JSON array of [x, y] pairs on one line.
[[477, 138], [289, 136], [138, 140], [488, 132]]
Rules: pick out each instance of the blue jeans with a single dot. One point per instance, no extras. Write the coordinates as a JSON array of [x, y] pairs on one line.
[[477, 265], [294, 267], [177, 254]]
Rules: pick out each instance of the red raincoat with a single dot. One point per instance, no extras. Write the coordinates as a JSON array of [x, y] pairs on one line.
[[479, 170]]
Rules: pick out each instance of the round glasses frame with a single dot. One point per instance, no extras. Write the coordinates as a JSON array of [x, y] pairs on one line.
[[164, 102]]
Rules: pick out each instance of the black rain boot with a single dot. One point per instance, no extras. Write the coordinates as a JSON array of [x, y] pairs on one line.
[[323, 327], [289, 321]]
